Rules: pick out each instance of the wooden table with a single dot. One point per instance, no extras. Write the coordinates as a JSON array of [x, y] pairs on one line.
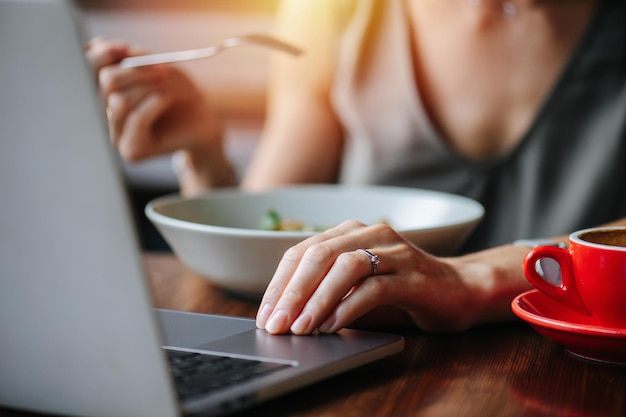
[[496, 370]]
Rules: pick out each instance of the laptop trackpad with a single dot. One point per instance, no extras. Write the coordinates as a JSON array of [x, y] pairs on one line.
[[189, 330]]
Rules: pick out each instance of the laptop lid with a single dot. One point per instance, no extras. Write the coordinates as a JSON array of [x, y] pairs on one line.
[[71, 292], [79, 335]]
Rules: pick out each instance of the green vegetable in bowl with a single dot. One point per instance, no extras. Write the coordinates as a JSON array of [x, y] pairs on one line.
[[273, 221], [270, 221]]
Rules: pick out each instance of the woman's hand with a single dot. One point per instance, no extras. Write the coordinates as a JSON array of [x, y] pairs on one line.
[[156, 110], [324, 283]]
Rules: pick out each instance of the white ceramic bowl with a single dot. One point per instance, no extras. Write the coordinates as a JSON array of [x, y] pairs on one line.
[[218, 234]]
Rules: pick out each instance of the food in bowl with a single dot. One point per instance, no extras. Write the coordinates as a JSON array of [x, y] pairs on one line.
[[272, 220], [217, 234]]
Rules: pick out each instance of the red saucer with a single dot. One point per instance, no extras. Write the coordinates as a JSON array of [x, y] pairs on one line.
[[576, 332]]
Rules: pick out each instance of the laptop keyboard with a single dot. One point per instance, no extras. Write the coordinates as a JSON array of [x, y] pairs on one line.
[[197, 374]]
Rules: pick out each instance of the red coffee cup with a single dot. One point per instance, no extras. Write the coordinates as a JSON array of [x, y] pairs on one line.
[[593, 274]]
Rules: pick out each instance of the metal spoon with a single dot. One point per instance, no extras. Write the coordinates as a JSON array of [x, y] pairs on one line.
[[189, 54]]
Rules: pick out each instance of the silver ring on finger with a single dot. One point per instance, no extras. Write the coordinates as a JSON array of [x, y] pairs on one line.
[[374, 259]]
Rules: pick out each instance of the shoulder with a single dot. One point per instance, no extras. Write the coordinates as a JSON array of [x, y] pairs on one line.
[[320, 16], [316, 27]]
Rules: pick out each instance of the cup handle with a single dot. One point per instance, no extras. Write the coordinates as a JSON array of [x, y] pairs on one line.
[[565, 293]]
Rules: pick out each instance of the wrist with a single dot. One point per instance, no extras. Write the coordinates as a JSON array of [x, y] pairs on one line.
[[492, 278], [201, 170]]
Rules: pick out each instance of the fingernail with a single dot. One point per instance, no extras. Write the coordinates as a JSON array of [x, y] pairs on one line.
[[302, 323], [327, 326], [276, 322], [262, 315]]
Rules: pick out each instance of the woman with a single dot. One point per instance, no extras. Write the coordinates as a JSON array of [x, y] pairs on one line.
[[520, 105]]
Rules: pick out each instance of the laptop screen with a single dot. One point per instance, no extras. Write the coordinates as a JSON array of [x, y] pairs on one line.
[[75, 314]]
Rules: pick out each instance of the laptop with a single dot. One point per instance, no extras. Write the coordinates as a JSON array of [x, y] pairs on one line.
[[79, 334]]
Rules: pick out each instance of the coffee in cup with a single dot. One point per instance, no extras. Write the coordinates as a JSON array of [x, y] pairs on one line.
[[593, 274], [608, 237]]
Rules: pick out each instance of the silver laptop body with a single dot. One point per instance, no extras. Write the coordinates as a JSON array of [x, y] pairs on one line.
[[78, 332]]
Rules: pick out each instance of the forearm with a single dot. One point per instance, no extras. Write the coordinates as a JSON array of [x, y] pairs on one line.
[[493, 277]]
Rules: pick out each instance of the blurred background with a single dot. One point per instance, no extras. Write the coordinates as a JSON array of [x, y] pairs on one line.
[[234, 82]]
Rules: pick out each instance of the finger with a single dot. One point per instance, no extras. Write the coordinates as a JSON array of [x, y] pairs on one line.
[[394, 286], [120, 104], [349, 269], [314, 266], [113, 78], [124, 90], [288, 265], [101, 52], [310, 271], [375, 291], [136, 138]]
